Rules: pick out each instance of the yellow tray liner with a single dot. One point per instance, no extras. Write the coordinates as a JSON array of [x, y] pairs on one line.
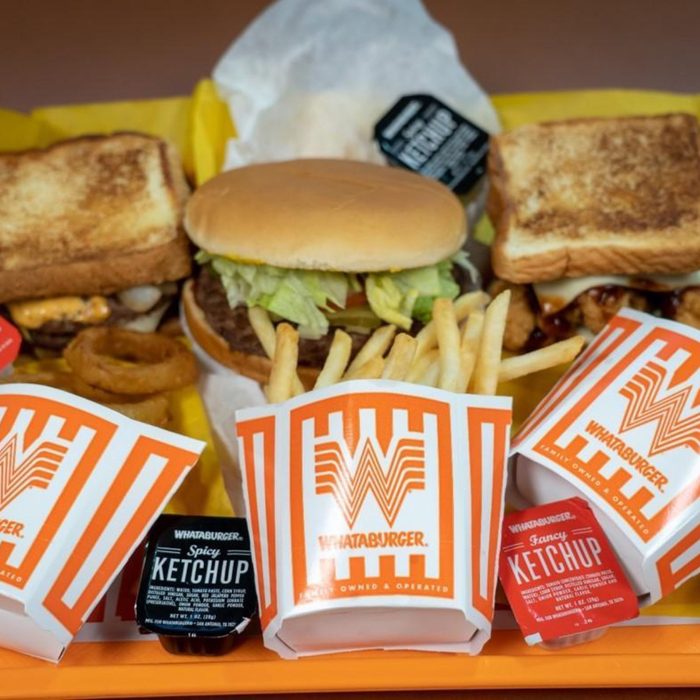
[[199, 125]]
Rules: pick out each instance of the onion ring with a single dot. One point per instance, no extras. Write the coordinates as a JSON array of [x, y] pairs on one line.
[[100, 356], [153, 409], [87, 391], [149, 409], [56, 379]]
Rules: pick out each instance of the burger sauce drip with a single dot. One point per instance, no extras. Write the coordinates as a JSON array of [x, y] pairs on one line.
[[564, 322]]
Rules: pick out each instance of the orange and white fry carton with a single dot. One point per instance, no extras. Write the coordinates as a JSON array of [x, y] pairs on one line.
[[622, 429], [80, 485], [375, 510]]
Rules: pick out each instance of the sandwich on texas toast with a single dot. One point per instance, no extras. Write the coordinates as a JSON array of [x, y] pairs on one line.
[[91, 233], [592, 215]]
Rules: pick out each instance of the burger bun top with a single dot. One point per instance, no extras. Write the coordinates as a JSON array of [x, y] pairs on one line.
[[326, 214]]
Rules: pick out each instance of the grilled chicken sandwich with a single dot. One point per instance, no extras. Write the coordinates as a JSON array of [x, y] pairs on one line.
[[592, 215], [321, 244], [91, 233]]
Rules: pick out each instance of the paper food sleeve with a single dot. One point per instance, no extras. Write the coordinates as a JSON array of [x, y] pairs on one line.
[[80, 486], [375, 514], [622, 429]]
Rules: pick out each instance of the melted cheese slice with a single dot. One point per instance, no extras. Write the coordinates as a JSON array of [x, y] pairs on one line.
[[554, 296], [34, 313]]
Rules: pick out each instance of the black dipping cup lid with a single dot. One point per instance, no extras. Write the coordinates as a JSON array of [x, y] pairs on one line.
[[197, 589]]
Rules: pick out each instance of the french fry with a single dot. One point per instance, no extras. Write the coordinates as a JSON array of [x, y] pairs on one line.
[[471, 338], [372, 369], [448, 343], [262, 325], [463, 306], [376, 346], [471, 332], [431, 375], [400, 357], [471, 301], [488, 358], [336, 360], [284, 364], [265, 330], [544, 358], [420, 366]]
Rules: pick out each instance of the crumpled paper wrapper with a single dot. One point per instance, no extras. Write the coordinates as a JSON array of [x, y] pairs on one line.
[[311, 79], [223, 392]]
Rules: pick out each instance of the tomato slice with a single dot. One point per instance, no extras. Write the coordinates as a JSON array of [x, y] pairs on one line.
[[356, 299]]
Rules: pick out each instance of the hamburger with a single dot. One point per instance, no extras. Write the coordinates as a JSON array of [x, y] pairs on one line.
[[91, 234], [592, 215], [321, 244]]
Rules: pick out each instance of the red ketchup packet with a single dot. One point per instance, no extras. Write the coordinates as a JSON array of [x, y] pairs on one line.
[[560, 574], [10, 340]]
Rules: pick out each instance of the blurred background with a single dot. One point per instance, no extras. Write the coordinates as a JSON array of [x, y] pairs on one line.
[[86, 50]]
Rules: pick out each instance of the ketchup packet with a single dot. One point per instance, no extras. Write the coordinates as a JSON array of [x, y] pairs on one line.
[[10, 341], [560, 574], [423, 134]]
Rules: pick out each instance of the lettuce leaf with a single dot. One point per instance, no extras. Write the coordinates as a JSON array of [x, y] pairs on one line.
[[400, 297], [299, 296], [303, 296]]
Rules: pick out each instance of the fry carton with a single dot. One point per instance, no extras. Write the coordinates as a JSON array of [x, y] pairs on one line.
[[375, 510], [622, 429], [80, 486]]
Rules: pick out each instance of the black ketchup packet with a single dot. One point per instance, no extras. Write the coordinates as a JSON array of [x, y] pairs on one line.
[[423, 134], [197, 588]]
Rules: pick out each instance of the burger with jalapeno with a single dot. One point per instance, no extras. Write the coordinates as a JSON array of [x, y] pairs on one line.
[[321, 244]]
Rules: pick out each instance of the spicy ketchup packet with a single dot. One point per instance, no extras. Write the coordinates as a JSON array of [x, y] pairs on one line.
[[560, 574]]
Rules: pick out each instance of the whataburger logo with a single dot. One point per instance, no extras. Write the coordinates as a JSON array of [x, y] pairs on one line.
[[648, 404], [37, 469], [389, 484]]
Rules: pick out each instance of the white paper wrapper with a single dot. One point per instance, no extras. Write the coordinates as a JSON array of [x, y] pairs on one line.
[[223, 393], [311, 78]]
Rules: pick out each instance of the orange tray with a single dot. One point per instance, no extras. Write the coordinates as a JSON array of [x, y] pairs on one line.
[[634, 656]]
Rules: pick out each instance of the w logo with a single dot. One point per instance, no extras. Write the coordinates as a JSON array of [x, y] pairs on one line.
[[37, 469], [406, 472], [646, 406]]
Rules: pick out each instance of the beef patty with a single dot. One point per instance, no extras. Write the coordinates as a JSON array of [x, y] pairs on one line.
[[234, 327]]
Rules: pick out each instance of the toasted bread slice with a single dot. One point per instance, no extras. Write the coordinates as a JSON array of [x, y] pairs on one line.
[[596, 196], [91, 215]]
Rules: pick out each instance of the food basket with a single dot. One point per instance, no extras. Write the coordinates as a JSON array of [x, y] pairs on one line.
[[660, 648]]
